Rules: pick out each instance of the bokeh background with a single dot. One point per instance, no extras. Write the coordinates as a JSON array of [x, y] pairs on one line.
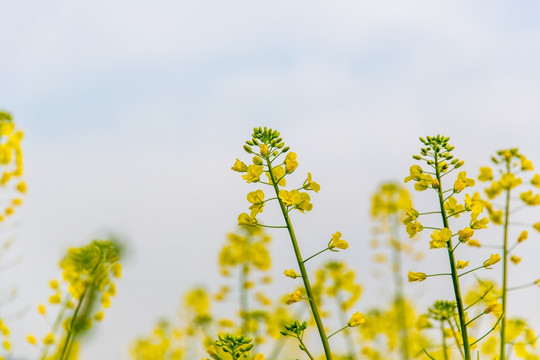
[[134, 112]]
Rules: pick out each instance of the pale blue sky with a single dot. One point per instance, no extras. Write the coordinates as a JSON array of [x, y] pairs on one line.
[[135, 111]]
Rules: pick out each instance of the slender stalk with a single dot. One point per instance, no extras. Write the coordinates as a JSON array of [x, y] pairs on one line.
[[244, 305], [399, 297], [502, 354], [71, 333], [444, 346], [303, 272], [455, 279], [349, 341], [318, 253], [305, 349], [456, 337]]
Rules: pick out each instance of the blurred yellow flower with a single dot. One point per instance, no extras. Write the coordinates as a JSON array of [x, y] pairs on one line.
[[294, 297]]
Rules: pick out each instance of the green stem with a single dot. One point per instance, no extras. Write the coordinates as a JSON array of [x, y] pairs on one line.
[[335, 332], [476, 317], [305, 349], [71, 333], [244, 306], [399, 297], [480, 298], [445, 348], [455, 279], [502, 354], [312, 256], [303, 272], [456, 337], [349, 342], [470, 271]]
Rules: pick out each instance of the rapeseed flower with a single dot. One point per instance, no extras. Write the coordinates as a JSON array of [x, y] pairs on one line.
[[416, 276], [356, 319], [440, 238]]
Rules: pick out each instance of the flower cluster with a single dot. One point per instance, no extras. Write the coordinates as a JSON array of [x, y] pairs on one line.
[[268, 148], [11, 163]]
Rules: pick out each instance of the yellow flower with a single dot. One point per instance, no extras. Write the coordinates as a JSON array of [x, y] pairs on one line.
[[211, 350], [264, 150], [453, 208], [254, 173], [258, 357], [422, 322], [494, 308], [356, 319], [290, 162], [515, 259], [474, 204], [42, 309], [478, 224], [55, 299], [53, 284], [413, 228], [462, 182], [493, 259], [291, 273], [486, 174], [48, 339], [416, 276], [31, 339], [296, 199], [536, 180], [526, 164], [465, 234], [440, 238], [411, 215], [462, 264], [338, 242], [509, 181], [528, 198], [257, 199], [239, 166], [496, 217], [536, 226], [279, 176], [424, 182], [311, 185], [294, 297], [116, 270], [245, 219], [21, 187], [493, 191], [523, 236], [257, 160], [99, 316], [414, 173]]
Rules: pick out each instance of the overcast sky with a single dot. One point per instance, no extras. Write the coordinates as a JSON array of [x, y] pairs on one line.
[[134, 112]]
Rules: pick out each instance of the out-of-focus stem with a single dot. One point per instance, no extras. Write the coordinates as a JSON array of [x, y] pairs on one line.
[[399, 297], [349, 342], [244, 301]]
